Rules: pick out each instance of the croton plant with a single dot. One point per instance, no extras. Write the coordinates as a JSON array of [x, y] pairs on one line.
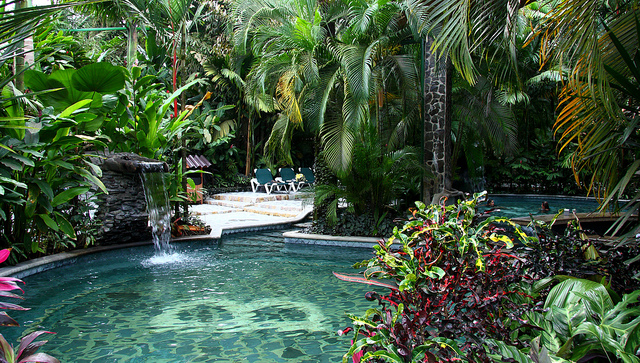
[[448, 278]]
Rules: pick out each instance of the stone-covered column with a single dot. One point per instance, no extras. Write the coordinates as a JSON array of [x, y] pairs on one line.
[[437, 123]]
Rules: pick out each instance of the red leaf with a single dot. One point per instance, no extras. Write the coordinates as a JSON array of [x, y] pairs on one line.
[[362, 280]]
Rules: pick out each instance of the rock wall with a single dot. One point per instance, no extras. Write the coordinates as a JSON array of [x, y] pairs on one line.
[[123, 212]]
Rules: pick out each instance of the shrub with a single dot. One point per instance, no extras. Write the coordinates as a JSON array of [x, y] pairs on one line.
[[583, 322], [450, 279]]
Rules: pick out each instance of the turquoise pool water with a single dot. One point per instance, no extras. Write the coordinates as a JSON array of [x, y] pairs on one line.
[[521, 205], [246, 299]]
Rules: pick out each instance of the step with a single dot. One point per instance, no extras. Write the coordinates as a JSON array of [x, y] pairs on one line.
[[204, 209], [251, 198], [289, 205], [272, 212], [303, 225], [228, 203]]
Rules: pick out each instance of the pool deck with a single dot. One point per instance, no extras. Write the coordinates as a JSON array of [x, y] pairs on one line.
[[248, 211]]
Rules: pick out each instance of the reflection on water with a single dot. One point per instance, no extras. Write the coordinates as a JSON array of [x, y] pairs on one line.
[[248, 299], [513, 206]]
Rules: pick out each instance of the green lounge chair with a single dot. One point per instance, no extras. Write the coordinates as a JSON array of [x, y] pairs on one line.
[[288, 176], [308, 176], [265, 179]]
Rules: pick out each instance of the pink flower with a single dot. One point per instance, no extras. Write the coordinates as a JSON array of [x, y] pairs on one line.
[[4, 254]]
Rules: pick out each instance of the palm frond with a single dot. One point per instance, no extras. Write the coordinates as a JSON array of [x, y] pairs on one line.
[[287, 96], [338, 137], [278, 146]]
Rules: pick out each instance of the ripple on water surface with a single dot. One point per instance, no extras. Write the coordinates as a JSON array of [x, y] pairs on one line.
[[248, 299]]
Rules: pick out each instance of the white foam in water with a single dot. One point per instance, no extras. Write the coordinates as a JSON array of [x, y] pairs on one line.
[[164, 258]]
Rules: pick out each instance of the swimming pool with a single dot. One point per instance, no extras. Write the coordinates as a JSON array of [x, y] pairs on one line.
[[244, 299], [513, 206]]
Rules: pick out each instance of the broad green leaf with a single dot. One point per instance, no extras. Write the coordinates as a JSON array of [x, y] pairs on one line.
[[94, 168], [48, 221], [143, 81], [68, 194], [91, 178], [45, 188], [39, 82], [191, 183], [562, 294], [85, 117], [508, 352], [74, 107], [11, 164], [62, 164], [65, 226], [13, 181], [24, 160], [101, 77], [593, 332], [74, 95], [633, 340]]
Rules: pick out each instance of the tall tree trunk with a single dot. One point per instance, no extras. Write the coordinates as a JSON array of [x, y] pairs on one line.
[[437, 123], [247, 169], [183, 100]]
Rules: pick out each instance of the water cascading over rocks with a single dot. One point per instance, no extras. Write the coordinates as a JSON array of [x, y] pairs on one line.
[[124, 213], [158, 206]]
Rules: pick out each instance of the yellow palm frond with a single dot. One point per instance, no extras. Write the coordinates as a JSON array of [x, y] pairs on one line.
[[287, 96]]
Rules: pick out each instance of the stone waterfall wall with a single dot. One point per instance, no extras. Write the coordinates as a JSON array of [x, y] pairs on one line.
[[123, 212]]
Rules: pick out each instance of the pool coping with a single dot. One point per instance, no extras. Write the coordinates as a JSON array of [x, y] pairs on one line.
[[298, 237], [40, 264]]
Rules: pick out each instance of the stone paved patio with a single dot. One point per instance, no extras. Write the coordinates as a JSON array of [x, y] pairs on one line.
[[252, 211]]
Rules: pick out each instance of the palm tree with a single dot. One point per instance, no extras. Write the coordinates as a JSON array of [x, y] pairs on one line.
[[483, 122], [598, 116], [595, 43], [327, 64], [229, 73]]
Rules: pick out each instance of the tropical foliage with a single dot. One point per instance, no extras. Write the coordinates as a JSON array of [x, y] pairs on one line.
[[26, 351], [76, 108], [582, 321], [379, 183], [449, 279], [324, 73], [463, 288]]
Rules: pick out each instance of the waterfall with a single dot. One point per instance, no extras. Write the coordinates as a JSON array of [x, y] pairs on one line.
[[158, 207]]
